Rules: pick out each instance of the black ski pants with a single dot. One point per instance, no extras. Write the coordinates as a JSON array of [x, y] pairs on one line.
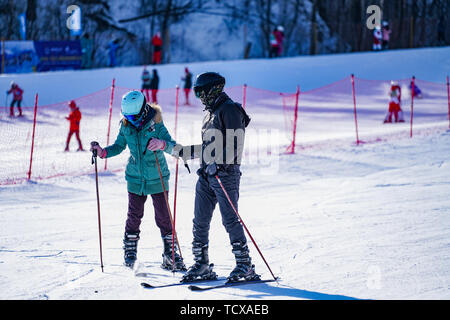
[[208, 193]]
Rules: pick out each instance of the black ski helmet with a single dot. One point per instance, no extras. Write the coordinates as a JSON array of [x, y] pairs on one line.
[[205, 81], [208, 86]]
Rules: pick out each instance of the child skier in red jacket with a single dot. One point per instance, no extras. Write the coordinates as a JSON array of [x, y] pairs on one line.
[[17, 98], [74, 118]]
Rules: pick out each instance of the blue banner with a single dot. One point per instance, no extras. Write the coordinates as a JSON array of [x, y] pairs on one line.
[[19, 56], [58, 55], [30, 56]]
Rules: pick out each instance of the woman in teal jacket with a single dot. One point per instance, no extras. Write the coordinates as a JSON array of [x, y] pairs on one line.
[[142, 129]]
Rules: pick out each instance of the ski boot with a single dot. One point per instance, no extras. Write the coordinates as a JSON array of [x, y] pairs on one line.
[[167, 255], [130, 242], [201, 270], [244, 268]]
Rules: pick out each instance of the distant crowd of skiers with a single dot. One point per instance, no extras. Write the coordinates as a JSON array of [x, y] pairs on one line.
[[276, 42], [156, 44], [150, 86], [395, 112], [113, 46], [381, 41], [276, 48]]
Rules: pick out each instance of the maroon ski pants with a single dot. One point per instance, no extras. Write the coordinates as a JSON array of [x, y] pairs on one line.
[[136, 212]]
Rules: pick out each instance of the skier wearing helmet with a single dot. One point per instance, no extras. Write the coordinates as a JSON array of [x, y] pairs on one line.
[[142, 129], [280, 39], [386, 35], [220, 154], [377, 38], [395, 95], [276, 42], [17, 98]]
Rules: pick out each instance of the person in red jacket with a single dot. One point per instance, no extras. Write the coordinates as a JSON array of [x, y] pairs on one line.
[[157, 47], [395, 109], [187, 84], [74, 118], [17, 98]]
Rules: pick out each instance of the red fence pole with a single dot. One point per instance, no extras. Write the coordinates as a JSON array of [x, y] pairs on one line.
[[32, 138], [354, 109], [412, 105], [176, 176], [448, 98], [294, 132], [177, 95], [110, 114], [244, 96]]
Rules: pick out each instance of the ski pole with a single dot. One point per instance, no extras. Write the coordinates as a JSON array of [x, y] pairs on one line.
[[174, 233], [94, 161], [243, 224], [6, 103]]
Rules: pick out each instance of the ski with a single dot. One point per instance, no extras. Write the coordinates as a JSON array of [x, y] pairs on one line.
[[147, 285], [230, 284]]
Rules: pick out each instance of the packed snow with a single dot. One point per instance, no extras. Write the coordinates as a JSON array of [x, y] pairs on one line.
[[336, 220]]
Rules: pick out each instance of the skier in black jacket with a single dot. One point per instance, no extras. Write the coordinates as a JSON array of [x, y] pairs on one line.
[[154, 86], [223, 132]]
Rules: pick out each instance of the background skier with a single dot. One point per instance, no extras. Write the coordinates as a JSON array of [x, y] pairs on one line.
[[395, 109], [112, 50], [273, 44], [74, 118], [377, 37], [154, 86], [146, 83], [187, 84], [142, 128], [157, 48], [223, 117], [86, 51], [417, 91], [17, 98], [386, 35], [276, 42], [279, 34]]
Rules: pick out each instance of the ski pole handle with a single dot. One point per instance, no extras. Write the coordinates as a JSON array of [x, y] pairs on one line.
[[94, 151], [145, 151]]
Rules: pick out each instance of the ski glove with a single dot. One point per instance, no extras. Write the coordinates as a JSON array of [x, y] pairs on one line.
[[100, 152], [156, 144]]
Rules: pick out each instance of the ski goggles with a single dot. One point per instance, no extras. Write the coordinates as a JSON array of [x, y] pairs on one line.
[[133, 117], [197, 91]]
